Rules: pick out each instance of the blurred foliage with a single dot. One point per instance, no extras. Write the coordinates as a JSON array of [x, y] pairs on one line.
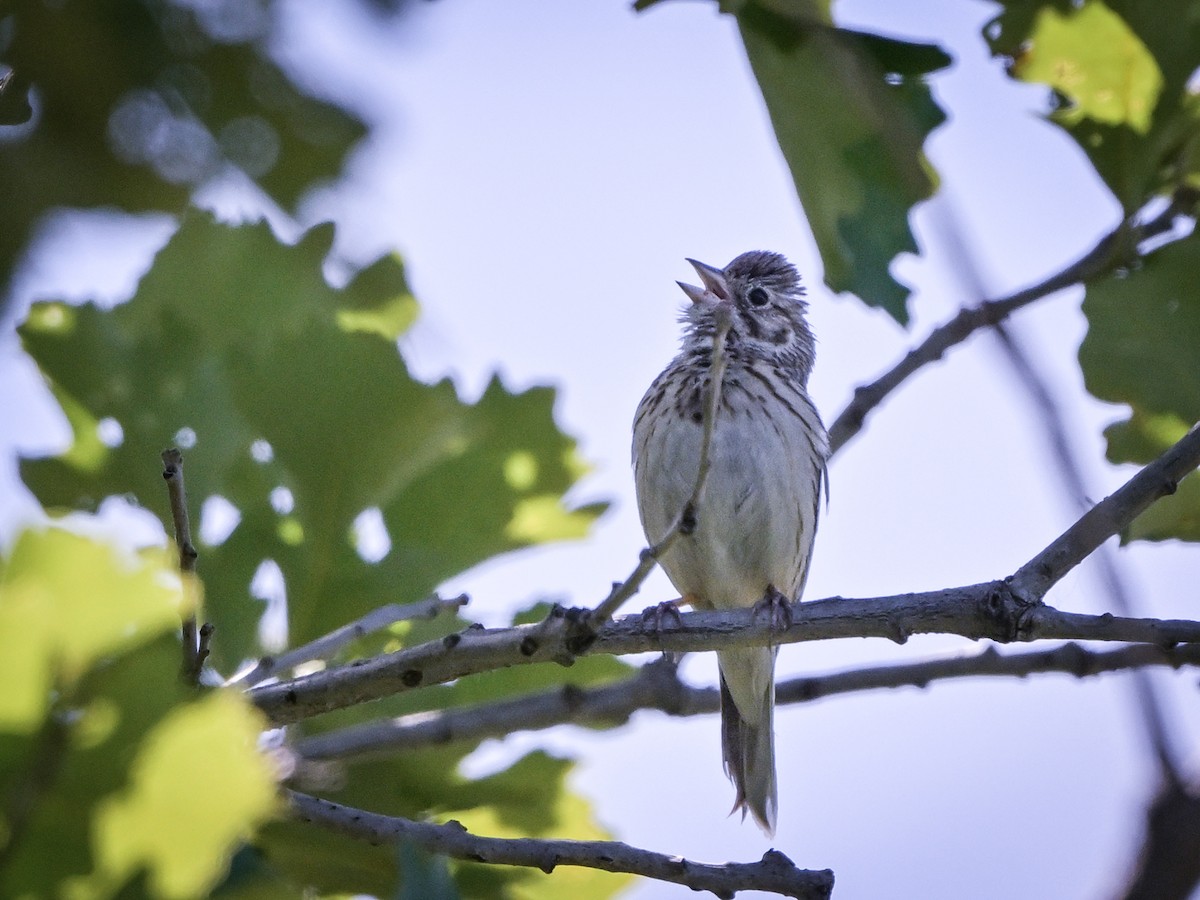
[[1122, 81], [111, 773], [1143, 348], [527, 799], [133, 103], [298, 413], [294, 406], [851, 112], [1120, 75]]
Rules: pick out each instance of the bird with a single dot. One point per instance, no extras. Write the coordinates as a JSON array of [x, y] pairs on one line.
[[749, 539]]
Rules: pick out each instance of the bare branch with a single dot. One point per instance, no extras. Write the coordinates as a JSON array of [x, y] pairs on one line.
[[1119, 246], [653, 686], [686, 522], [195, 648], [1003, 611], [1108, 517], [988, 610], [774, 873], [324, 647], [656, 686]]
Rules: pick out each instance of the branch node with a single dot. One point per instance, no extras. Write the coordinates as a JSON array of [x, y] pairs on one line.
[[899, 633]]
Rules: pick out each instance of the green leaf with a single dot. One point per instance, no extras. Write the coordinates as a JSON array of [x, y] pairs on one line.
[[68, 602], [1120, 73], [198, 787], [1140, 439], [303, 417], [1176, 517], [851, 112], [1143, 436], [1090, 56], [122, 776], [426, 877], [1143, 341], [1143, 348]]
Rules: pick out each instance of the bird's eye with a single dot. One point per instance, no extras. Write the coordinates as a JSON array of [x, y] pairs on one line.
[[758, 296]]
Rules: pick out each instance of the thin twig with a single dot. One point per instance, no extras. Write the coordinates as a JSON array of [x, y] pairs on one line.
[[657, 686], [195, 650], [1004, 611], [685, 522], [1115, 248], [774, 873], [327, 645]]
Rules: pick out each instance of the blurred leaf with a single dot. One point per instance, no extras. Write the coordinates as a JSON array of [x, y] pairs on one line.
[[328, 863], [1143, 436], [1120, 72], [530, 798], [68, 602], [1140, 439], [1143, 341], [114, 721], [198, 787], [1090, 56], [851, 112], [250, 358], [140, 100], [1176, 517], [426, 877]]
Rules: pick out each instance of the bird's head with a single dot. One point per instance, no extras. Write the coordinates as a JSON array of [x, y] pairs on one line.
[[763, 294]]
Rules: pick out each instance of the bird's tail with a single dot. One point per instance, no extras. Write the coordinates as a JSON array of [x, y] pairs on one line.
[[748, 732]]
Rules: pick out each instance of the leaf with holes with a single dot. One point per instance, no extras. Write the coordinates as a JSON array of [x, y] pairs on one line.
[[296, 410]]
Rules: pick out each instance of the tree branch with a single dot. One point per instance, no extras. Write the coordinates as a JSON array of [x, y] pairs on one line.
[[988, 610], [774, 873], [656, 686], [324, 647], [195, 641], [1116, 247], [1108, 517], [1001, 610]]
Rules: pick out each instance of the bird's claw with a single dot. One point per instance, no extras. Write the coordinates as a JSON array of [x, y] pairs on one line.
[[654, 616], [776, 607]]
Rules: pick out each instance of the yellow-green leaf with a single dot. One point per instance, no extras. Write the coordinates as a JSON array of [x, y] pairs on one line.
[[199, 787], [1091, 56], [65, 602]]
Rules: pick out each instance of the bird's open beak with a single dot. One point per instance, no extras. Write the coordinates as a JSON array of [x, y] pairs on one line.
[[713, 280]]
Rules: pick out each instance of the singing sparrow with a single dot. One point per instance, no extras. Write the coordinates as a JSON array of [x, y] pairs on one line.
[[754, 525]]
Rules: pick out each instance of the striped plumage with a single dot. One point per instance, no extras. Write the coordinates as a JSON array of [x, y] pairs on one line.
[[758, 515]]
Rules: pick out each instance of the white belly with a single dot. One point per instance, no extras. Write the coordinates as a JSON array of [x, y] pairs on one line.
[[758, 513]]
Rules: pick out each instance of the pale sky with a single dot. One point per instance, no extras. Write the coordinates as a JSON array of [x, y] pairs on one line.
[[544, 169]]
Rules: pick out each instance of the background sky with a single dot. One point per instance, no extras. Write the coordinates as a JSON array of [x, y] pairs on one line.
[[544, 169]]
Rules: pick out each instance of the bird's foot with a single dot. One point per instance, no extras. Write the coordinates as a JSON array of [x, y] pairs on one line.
[[653, 617], [776, 607]]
